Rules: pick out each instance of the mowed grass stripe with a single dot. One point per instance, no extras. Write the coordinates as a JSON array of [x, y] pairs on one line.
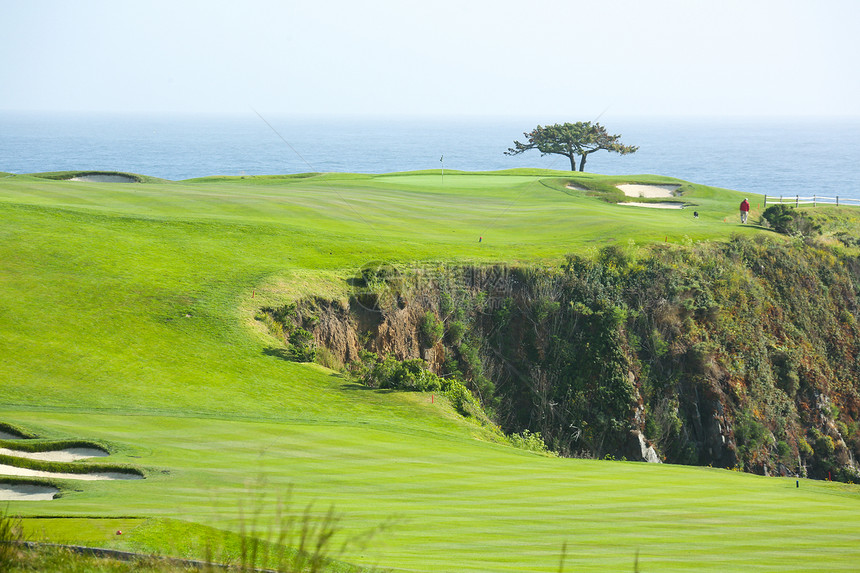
[[461, 502]]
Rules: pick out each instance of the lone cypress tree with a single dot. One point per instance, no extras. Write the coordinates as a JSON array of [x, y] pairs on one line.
[[571, 140]]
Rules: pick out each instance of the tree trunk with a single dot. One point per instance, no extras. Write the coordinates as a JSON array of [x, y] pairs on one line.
[[572, 158], [582, 162]]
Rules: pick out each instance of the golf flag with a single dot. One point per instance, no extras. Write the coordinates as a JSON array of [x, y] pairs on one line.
[[441, 158]]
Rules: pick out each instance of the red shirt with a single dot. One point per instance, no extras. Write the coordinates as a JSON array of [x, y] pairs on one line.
[[745, 205]]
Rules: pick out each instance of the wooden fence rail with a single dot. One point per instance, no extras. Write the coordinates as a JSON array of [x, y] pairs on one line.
[[797, 200]]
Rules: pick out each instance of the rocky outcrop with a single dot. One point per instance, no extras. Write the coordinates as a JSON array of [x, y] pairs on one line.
[[640, 450]]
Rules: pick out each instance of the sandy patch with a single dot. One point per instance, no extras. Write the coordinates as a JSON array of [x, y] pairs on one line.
[[665, 205], [25, 472], [648, 191], [64, 455], [576, 187], [8, 436], [99, 178], [26, 492]]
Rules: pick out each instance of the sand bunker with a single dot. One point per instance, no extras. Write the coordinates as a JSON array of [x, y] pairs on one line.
[[64, 455], [26, 492], [648, 191], [576, 187], [8, 436], [98, 476], [664, 205], [104, 178]]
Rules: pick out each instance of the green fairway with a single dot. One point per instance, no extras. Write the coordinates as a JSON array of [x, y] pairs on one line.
[[127, 318]]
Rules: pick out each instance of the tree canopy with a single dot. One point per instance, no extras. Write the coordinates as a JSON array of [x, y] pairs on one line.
[[571, 140]]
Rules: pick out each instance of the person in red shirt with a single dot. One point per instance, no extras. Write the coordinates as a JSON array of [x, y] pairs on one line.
[[745, 210]]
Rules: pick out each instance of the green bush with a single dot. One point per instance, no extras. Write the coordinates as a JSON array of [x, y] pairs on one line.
[[532, 442], [783, 450], [789, 221], [462, 400], [471, 358], [302, 346], [327, 358], [430, 329], [456, 330], [804, 448], [750, 435], [412, 375], [652, 430], [372, 371], [390, 373], [824, 446], [446, 304]]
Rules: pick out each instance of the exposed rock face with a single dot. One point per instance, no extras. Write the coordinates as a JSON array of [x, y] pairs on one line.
[[335, 329], [347, 328], [641, 450], [709, 429], [398, 335]]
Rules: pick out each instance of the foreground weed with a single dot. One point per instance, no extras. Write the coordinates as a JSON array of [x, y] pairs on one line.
[[305, 541], [11, 537]]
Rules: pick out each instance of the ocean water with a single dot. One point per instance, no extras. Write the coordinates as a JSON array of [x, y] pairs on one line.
[[778, 157]]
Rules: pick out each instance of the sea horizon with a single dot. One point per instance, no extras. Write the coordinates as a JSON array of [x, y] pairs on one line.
[[769, 154]]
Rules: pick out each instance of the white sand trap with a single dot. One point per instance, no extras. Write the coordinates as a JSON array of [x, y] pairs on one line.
[[576, 187], [64, 455], [25, 472], [104, 178], [648, 191], [664, 205], [26, 492], [8, 436]]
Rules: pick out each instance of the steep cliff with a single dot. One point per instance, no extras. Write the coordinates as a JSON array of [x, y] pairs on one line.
[[743, 354]]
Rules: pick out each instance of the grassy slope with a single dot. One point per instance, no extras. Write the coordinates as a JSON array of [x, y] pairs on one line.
[[125, 318]]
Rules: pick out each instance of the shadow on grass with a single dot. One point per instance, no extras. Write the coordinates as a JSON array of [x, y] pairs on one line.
[[284, 354], [356, 387], [281, 353]]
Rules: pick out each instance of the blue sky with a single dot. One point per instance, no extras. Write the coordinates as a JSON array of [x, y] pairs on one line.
[[515, 58]]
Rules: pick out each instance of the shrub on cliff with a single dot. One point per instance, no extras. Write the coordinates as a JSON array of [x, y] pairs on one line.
[[413, 375], [789, 221], [390, 373], [302, 346], [430, 329]]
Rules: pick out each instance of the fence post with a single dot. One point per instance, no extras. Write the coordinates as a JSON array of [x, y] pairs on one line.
[[837, 200], [813, 200], [797, 200], [765, 200]]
